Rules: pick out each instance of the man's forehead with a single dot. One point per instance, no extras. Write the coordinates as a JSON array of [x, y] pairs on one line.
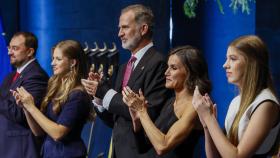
[[17, 40], [126, 20], [128, 15]]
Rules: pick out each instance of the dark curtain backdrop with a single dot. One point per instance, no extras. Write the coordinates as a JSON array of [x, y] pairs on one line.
[[86, 21], [9, 13], [268, 28]]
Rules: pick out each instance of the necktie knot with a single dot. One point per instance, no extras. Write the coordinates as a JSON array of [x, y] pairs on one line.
[[128, 70], [15, 76], [132, 59]]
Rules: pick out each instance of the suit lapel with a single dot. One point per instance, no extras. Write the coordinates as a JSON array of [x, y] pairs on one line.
[[18, 81], [141, 66], [6, 85], [119, 79]]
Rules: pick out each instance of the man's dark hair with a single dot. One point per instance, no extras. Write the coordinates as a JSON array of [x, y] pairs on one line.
[[30, 40], [143, 14]]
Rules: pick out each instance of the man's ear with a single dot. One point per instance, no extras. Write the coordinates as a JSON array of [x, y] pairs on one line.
[[31, 52], [144, 29]]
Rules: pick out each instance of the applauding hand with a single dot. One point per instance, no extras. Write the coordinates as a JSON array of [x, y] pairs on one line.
[[134, 101], [203, 106], [23, 98], [91, 83], [136, 104]]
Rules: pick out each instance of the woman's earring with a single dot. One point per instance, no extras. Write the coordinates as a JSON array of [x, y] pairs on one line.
[[71, 68]]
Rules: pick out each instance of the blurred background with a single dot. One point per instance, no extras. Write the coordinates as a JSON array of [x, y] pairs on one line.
[[90, 21]]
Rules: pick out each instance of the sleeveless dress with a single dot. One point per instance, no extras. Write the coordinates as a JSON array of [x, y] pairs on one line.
[[165, 120], [264, 95]]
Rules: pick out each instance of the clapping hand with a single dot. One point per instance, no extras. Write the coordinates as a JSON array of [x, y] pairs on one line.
[[23, 98], [16, 96], [93, 76], [134, 101], [91, 83], [203, 105]]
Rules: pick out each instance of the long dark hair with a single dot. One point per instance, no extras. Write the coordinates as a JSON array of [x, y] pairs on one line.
[[196, 66]]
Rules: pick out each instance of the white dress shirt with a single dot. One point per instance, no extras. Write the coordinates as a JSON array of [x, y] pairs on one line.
[[20, 69]]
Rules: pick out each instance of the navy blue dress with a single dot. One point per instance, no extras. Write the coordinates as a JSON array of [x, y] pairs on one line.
[[73, 115]]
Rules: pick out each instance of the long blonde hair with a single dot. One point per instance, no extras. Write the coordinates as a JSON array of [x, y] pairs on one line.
[[256, 76], [59, 86]]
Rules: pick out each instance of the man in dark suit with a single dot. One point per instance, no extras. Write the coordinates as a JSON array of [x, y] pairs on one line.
[[16, 138], [135, 31]]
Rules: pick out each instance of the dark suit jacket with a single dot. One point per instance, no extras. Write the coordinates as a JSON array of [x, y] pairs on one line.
[[16, 138], [149, 76]]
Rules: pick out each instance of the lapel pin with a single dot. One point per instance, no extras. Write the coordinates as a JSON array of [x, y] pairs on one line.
[[142, 68]]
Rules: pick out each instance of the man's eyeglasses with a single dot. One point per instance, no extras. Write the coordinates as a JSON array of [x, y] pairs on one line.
[[15, 48]]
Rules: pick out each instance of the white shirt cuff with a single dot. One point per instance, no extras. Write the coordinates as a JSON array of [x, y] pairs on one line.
[[99, 107], [107, 98]]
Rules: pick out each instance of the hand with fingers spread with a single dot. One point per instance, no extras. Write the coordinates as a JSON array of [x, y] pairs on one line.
[[134, 101]]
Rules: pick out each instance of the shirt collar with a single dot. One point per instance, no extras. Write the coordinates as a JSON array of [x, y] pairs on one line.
[[20, 69], [139, 54]]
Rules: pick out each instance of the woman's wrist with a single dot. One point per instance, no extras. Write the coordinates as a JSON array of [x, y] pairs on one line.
[[142, 112], [30, 108], [208, 117]]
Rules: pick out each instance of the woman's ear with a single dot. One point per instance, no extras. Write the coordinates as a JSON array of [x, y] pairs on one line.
[[73, 62]]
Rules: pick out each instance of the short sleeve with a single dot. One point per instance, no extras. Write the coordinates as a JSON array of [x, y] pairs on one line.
[[75, 110]]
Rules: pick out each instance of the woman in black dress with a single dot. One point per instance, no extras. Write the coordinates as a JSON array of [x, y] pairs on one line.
[[177, 129]]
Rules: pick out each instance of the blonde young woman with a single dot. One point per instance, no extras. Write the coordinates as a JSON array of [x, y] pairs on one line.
[[177, 129], [65, 107], [252, 121]]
